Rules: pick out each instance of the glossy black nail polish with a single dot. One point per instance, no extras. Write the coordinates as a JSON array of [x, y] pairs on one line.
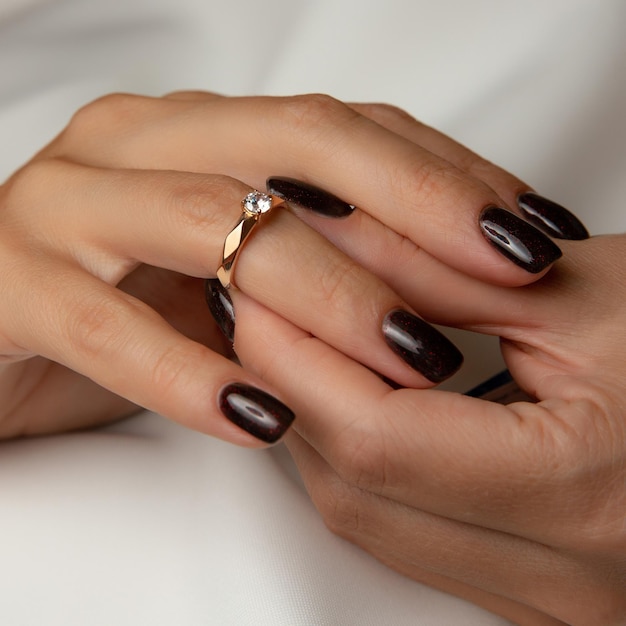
[[255, 411], [308, 196], [423, 347], [554, 219], [221, 307], [518, 240]]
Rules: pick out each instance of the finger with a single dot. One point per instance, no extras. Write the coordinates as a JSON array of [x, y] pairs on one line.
[[547, 317], [180, 221], [471, 458], [191, 96], [125, 347], [459, 558], [179, 300], [507, 186], [143, 207], [555, 220], [417, 276], [314, 138], [403, 185]]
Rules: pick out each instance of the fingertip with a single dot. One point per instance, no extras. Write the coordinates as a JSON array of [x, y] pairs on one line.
[[552, 218], [517, 240], [255, 411], [420, 345]]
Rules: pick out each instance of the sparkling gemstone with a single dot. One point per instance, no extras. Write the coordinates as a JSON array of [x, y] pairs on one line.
[[256, 202]]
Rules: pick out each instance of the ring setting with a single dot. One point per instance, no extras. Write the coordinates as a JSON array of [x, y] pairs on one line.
[[255, 204]]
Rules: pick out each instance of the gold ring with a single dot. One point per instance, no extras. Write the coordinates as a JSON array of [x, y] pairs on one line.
[[253, 206]]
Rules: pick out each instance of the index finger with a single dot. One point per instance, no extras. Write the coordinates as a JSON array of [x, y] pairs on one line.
[[451, 214], [454, 216]]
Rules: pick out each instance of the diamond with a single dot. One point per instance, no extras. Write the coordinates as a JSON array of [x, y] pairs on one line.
[[256, 203]]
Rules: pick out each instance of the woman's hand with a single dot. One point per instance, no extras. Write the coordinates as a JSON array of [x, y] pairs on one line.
[[105, 234], [519, 508]]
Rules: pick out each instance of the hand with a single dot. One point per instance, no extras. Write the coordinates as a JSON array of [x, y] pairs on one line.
[[99, 232], [518, 508]]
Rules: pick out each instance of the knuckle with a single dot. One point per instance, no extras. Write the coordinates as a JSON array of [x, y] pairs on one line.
[[340, 506], [194, 202], [105, 329], [175, 366], [29, 187], [384, 112], [314, 116], [360, 458], [338, 280], [97, 325], [477, 166], [310, 108], [107, 112], [192, 95], [426, 181]]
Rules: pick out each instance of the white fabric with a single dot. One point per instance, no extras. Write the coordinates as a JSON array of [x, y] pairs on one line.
[[146, 523]]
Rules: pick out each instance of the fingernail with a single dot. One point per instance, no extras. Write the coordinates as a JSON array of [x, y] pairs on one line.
[[554, 219], [423, 347], [518, 240], [255, 411], [221, 307], [308, 196]]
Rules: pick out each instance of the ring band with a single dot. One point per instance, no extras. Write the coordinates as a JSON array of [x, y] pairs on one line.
[[253, 206]]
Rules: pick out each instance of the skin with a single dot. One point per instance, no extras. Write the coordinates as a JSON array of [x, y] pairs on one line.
[[103, 232], [518, 508]]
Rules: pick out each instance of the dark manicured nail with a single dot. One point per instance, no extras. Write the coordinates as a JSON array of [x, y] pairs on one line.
[[518, 240], [551, 217], [255, 411], [308, 196], [221, 307], [423, 347]]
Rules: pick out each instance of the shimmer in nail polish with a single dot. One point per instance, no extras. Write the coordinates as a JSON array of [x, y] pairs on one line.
[[518, 240], [308, 196], [221, 307], [423, 347], [554, 219], [255, 411]]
